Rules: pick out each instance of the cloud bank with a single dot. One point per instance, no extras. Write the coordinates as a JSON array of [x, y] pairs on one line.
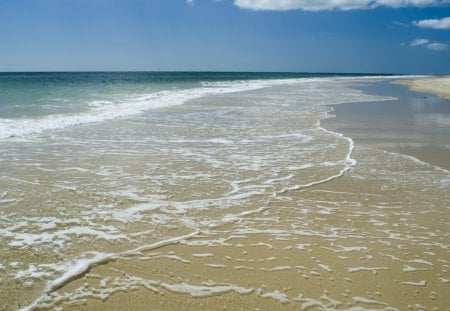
[[435, 46], [419, 42], [443, 23], [323, 5]]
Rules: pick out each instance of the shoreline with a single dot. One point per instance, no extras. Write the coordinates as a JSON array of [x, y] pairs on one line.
[[319, 235], [439, 86], [411, 124]]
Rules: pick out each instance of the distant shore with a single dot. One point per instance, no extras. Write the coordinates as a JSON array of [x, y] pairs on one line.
[[439, 86]]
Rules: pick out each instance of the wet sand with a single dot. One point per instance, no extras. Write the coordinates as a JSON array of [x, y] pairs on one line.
[[374, 239], [378, 243], [414, 124]]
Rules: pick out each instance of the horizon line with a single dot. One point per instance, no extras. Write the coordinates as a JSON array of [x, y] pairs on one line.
[[204, 71]]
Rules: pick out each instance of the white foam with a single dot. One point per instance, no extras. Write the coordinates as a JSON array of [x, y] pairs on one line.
[[421, 261], [348, 162], [80, 267], [213, 265], [407, 268], [202, 255], [421, 283], [279, 268], [39, 272], [205, 291], [444, 280], [325, 267], [351, 249], [220, 141], [173, 257], [303, 246], [328, 303], [59, 237], [277, 295], [262, 244], [369, 301], [373, 269], [243, 268]]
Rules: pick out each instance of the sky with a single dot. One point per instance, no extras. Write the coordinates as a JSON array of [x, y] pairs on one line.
[[351, 36]]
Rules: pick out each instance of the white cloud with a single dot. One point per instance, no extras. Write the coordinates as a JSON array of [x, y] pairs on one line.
[[435, 46], [419, 42], [321, 5], [190, 2], [443, 23]]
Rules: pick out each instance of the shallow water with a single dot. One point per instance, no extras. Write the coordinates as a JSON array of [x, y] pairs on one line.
[[117, 193], [415, 124]]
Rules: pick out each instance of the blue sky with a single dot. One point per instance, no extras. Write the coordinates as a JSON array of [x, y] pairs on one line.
[[379, 36]]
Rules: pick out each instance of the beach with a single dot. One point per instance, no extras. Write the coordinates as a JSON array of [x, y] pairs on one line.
[[434, 85], [263, 197]]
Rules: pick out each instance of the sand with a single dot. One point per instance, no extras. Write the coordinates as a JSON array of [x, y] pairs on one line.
[[376, 241], [435, 85]]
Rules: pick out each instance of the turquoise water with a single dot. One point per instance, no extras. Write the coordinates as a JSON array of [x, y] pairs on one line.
[[28, 95], [33, 103]]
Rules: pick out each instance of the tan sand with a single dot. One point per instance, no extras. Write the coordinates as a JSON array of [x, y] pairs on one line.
[[435, 155], [439, 86], [372, 240]]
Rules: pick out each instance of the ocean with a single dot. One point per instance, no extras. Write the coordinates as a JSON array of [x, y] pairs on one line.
[[185, 185]]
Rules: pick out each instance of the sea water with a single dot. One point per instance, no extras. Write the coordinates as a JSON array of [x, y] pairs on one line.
[[96, 167]]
